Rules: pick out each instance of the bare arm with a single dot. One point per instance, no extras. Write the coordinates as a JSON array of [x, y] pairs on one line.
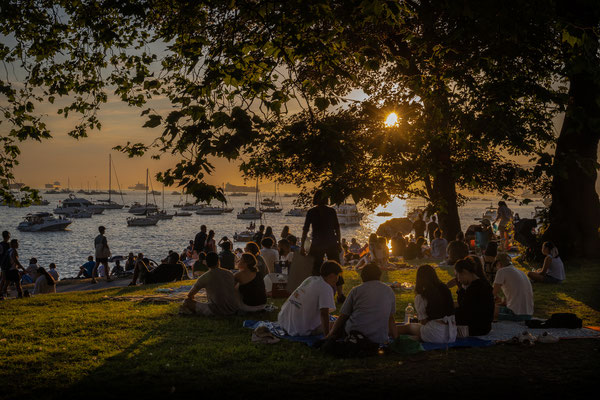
[[496, 292], [325, 320], [338, 326], [547, 262], [196, 288]]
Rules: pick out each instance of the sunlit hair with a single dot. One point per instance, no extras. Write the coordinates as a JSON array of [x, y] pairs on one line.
[[552, 248], [252, 248], [250, 261]]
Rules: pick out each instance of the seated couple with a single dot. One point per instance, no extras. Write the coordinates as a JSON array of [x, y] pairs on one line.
[[172, 270], [228, 293], [368, 308]]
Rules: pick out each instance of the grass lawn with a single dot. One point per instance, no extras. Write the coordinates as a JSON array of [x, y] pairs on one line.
[[84, 345]]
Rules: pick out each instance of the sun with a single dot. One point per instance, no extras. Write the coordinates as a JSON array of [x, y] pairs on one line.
[[391, 120]]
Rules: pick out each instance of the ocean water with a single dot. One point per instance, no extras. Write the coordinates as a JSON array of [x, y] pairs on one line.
[[70, 249]]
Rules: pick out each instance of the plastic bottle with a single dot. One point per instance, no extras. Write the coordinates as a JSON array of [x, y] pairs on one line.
[[409, 312]]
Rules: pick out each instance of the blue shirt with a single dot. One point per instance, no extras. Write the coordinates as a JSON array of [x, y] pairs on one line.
[[89, 268]]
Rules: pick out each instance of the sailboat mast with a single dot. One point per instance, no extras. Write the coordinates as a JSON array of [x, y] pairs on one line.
[[146, 187], [109, 174]]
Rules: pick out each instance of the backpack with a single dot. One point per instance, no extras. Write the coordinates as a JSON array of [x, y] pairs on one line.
[[558, 320], [4, 257]]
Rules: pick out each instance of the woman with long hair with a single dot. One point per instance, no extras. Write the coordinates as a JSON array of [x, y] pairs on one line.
[[44, 283], [435, 309], [553, 269], [250, 284], [475, 311], [285, 232], [211, 245]]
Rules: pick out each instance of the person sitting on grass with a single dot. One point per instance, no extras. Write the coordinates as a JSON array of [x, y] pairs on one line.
[[261, 265], [226, 256], [271, 256], [219, 284], [369, 309], [435, 309], [30, 274], [44, 283], [306, 311], [489, 261], [250, 284], [518, 294], [414, 250], [52, 271], [553, 269], [85, 271], [293, 240], [475, 311], [457, 249], [130, 263], [171, 271], [438, 245]]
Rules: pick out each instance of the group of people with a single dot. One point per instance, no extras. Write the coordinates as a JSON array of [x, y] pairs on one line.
[[13, 272]]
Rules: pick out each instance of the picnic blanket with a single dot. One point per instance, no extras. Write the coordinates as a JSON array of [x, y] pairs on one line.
[[278, 332], [506, 330]]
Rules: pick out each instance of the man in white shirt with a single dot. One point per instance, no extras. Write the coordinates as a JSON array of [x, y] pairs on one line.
[[306, 311], [271, 256], [369, 309], [518, 293]]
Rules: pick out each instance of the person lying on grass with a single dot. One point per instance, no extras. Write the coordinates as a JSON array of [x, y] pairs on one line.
[[517, 304], [306, 311], [220, 291], [435, 309], [171, 271], [553, 270], [369, 309], [250, 284]]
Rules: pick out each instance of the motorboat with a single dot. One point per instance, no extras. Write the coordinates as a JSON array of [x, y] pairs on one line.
[[43, 222], [142, 221], [142, 209], [209, 211], [490, 214], [238, 194], [296, 212], [139, 186], [110, 204], [348, 214], [68, 206], [80, 214], [191, 207], [268, 202], [273, 209], [249, 213], [227, 210], [290, 195], [245, 236], [183, 214], [40, 203]]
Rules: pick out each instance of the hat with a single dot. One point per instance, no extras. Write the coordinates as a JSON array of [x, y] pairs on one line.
[[504, 259]]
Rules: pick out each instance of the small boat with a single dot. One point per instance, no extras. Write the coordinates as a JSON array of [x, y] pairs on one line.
[[81, 214], [249, 213], [43, 222], [110, 205], [68, 206], [238, 194], [384, 214], [40, 203], [296, 212], [209, 211], [161, 215], [268, 202], [138, 186], [154, 193], [183, 214], [191, 207], [245, 236], [271, 209], [348, 214], [490, 214], [175, 193], [141, 209], [227, 210], [290, 195], [142, 221]]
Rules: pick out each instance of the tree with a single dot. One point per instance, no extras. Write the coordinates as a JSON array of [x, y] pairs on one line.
[[575, 210], [468, 93]]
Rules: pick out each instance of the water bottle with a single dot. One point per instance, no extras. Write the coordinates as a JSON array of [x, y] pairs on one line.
[[409, 312]]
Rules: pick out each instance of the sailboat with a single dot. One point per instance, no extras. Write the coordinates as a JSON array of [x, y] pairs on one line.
[[109, 204], [271, 205], [226, 209], [147, 219], [162, 214], [143, 209], [250, 212]]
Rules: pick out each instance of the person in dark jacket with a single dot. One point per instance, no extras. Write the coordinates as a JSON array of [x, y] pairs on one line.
[[475, 311]]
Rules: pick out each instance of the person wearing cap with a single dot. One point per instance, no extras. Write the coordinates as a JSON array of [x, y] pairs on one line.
[[369, 309], [102, 254], [518, 293]]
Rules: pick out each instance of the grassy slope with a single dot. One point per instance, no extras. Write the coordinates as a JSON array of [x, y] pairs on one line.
[[83, 343]]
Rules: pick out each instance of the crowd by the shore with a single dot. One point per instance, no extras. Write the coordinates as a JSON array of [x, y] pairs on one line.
[[489, 287]]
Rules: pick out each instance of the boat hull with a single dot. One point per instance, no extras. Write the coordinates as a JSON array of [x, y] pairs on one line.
[[59, 226]]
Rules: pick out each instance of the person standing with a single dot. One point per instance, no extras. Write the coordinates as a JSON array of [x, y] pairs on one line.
[[211, 245], [200, 240], [12, 275], [505, 216], [102, 254], [326, 236], [419, 226], [4, 260], [431, 228]]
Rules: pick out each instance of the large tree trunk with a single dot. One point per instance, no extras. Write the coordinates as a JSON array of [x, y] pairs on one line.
[[444, 199], [575, 209]]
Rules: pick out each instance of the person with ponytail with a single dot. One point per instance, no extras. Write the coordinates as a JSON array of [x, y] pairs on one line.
[[553, 269], [44, 283], [475, 311], [250, 284]]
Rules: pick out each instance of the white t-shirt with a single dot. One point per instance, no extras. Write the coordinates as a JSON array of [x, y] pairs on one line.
[[369, 306], [556, 269], [517, 290], [438, 248], [300, 315], [270, 256]]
